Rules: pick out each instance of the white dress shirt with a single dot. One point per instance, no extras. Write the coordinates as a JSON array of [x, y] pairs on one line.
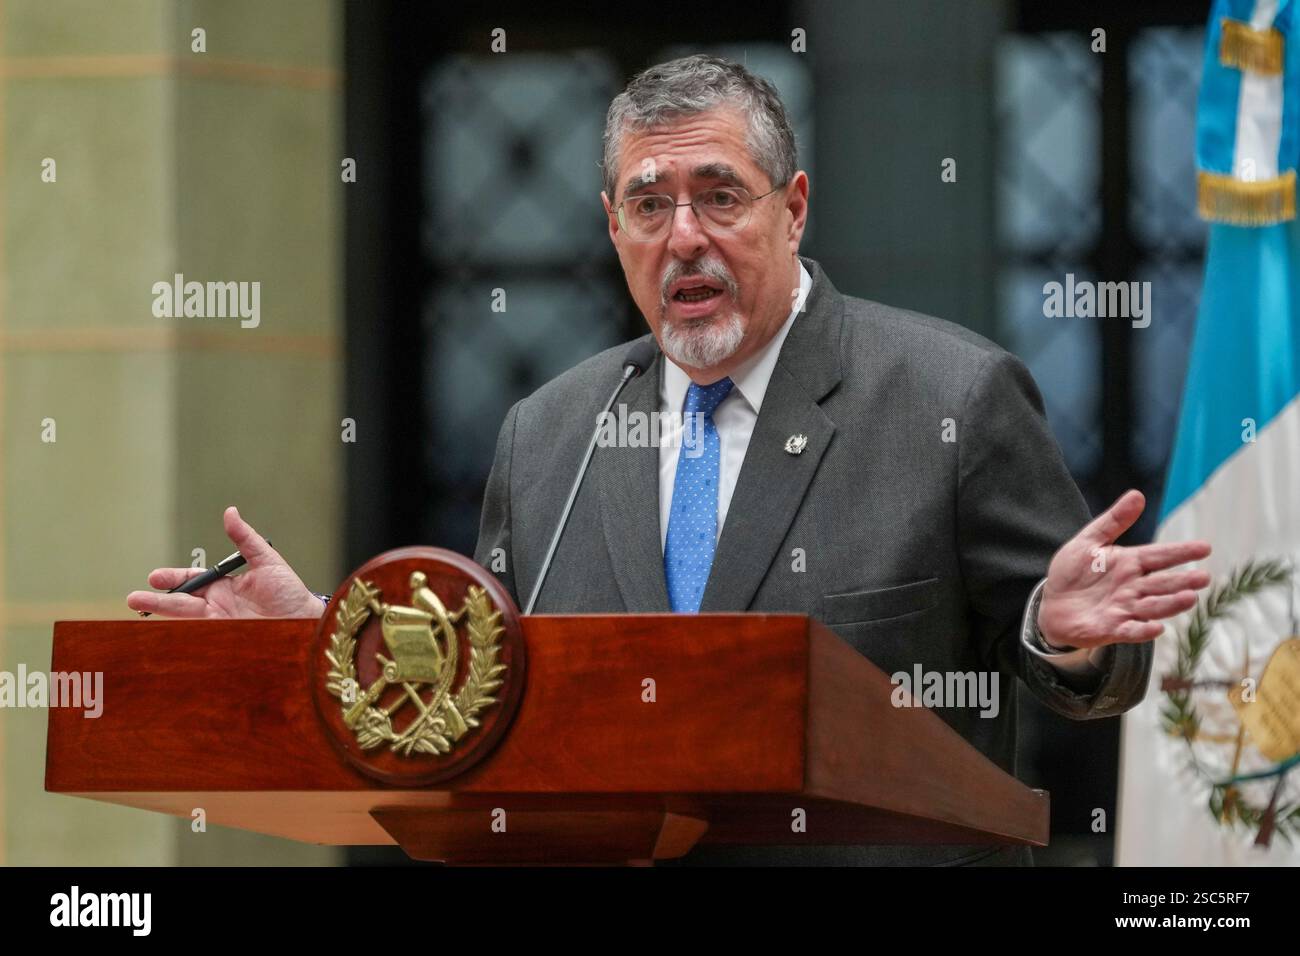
[[735, 418]]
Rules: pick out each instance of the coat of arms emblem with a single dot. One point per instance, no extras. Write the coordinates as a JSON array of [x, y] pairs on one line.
[[425, 656], [1236, 711], [407, 679]]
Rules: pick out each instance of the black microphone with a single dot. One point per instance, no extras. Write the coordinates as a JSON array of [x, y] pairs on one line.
[[637, 360]]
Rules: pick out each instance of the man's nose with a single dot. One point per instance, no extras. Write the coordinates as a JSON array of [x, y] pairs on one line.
[[687, 239]]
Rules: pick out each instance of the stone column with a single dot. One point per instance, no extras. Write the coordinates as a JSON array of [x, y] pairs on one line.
[[124, 434]]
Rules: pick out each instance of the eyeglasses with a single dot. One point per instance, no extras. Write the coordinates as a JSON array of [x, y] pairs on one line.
[[719, 209]]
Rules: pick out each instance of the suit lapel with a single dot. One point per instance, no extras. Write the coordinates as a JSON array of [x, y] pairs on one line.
[[772, 482], [629, 505], [771, 485]]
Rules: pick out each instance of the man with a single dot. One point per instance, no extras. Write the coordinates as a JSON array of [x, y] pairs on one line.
[[888, 473]]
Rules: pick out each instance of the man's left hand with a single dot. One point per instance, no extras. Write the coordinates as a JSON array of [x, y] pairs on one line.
[[1100, 593]]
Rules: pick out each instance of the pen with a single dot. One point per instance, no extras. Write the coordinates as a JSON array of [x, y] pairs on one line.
[[219, 570]]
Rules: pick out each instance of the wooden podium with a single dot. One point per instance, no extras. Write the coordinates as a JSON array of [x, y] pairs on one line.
[[634, 738]]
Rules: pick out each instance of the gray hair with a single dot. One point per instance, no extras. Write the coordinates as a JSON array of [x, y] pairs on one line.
[[694, 84]]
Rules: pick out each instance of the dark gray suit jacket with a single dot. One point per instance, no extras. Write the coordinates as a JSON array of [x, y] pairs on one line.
[[918, 550]]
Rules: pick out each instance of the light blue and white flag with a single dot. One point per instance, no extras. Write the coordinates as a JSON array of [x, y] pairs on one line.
[[1206, 758]]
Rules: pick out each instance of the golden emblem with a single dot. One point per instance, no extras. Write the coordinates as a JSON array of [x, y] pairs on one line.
[[1272, 719], [424, 648]]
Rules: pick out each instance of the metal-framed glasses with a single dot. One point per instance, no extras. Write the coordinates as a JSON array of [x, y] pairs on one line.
[[719, 209]]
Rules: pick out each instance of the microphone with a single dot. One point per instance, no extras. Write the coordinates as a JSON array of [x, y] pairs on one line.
[[635, 362]]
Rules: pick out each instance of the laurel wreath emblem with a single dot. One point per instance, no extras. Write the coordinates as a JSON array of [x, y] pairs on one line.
[[1180, 715], [432, 732]]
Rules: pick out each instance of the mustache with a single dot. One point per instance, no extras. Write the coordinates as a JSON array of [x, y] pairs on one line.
[[714, 269]]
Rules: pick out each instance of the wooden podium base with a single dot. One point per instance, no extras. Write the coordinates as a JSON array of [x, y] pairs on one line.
[[541, 837]]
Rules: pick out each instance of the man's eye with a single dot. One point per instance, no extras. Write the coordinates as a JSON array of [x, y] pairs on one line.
[[721, 198], [648, 206]]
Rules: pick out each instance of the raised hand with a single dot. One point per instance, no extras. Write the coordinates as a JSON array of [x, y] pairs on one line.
[[1100, 593], [265, 587]]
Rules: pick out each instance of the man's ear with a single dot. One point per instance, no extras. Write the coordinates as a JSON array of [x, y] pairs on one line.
[[797, 204], [613, 220]]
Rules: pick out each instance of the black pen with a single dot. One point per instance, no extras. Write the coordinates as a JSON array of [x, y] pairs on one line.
[[219, 570]]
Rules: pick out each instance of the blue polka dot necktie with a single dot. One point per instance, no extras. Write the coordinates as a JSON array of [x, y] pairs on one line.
[[693, 522]]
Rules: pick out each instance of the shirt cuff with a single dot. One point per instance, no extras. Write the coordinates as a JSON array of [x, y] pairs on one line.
[[1079, 660]]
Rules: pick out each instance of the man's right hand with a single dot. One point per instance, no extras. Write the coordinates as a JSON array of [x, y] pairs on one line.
[[265, 587]]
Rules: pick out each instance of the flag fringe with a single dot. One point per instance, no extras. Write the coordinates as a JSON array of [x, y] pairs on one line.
[[1245, 48], [1224, 198]]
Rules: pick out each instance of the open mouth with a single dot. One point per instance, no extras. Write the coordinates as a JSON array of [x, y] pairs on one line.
[[699, 293]]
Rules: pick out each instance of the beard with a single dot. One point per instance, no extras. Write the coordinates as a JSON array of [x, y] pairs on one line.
[[706, 342], [703, 343]]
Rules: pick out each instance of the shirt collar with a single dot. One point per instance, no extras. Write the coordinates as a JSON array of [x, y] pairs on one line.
[[752, 376]]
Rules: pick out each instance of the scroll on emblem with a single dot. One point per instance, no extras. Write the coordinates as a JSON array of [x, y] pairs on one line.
[[418, 681]]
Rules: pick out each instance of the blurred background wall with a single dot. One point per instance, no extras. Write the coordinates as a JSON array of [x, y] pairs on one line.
[[222, 166], [477, 170]]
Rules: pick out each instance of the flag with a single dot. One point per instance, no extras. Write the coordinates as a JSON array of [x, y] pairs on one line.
[[1206, 758]]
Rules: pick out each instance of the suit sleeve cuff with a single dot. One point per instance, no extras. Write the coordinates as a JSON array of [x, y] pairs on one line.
[[1080, 660]]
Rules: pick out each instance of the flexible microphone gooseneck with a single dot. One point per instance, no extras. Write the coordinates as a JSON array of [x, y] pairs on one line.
[[637, 360]]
